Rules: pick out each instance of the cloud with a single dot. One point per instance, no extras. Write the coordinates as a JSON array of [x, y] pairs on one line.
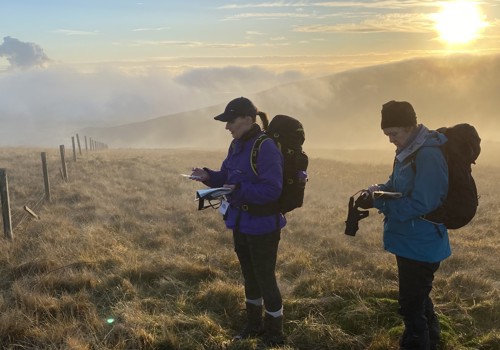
[[42, 105], [267, 15], [367, 16], [21, 54], [191, 44], [261, 5], [385, 4], [389, 23], [71, 32], [239, 80], [150, 29], [253, 32], [340, 110]]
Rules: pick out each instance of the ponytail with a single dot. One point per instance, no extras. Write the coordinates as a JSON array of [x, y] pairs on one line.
[[264, 120]]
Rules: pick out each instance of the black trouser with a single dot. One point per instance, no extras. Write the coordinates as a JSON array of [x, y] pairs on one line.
[[257, 255], [415, 304]]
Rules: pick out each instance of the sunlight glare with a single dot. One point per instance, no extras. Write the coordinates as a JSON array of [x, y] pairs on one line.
[[459, 22]]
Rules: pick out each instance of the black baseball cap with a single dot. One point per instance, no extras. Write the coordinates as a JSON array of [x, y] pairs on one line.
[[239, 107]]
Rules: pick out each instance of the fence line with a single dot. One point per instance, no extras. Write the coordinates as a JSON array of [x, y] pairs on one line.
[[63, 161], [11, 221], [4, 194], [74, 148], [22, 215], [78, 142], [46, 182]]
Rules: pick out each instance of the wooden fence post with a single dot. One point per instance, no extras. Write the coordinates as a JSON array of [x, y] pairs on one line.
[[4, 194], [63, 161], [86, 147], [46, 176], [74, 148], [78, 143]]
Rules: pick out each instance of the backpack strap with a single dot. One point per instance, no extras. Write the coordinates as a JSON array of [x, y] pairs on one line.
[[437, 215], [413, 162], [259, 209], [255, 152], [412, 159]]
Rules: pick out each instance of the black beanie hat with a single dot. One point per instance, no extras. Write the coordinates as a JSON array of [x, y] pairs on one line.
[[398, 114]]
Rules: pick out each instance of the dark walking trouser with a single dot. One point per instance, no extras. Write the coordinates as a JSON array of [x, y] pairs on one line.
[[257, 255], [415, 304]]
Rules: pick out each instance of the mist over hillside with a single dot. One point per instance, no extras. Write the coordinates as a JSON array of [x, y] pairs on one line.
[[343, 110]]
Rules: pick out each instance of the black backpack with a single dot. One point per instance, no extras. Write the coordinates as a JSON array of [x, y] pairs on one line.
[[461, 151], [288, 134]]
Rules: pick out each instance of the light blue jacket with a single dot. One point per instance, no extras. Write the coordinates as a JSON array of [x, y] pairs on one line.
[[424, 186]]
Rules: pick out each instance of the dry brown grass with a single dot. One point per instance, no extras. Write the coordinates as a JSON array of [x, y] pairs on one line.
[[124, 240]]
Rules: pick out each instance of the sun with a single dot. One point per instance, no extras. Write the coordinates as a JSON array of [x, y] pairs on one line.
[[459, 22]]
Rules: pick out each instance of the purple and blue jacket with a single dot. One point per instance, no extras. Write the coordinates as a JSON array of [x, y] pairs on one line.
[[258, 189]]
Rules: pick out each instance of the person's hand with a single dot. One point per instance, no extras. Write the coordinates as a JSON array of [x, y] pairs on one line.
[[199, 174], [373, 188], [365, 200], [232, 187]]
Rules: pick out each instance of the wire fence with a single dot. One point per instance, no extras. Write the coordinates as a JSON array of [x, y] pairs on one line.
[[29, 201], [20, 215]]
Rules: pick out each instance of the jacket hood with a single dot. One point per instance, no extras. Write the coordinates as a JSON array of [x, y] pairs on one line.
[[423, 138]]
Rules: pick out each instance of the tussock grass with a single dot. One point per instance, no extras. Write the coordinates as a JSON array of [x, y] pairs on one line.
[[122, 259]]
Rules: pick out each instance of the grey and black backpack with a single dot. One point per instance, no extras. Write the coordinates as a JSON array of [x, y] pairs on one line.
[[461, 151], [288, 134]]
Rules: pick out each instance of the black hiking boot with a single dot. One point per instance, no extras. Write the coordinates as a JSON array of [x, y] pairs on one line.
[[415, 335], [273, 330], [434, 331], [254, 326], [411, 342]]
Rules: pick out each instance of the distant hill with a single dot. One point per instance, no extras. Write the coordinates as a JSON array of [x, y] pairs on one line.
[[343, 110]]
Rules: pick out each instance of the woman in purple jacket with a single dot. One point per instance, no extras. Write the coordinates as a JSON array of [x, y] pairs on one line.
[[253, 215]]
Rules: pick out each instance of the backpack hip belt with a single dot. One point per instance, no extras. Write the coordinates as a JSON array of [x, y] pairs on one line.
[[261, 209]]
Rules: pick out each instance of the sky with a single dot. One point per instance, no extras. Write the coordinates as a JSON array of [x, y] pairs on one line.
[[112, 61]]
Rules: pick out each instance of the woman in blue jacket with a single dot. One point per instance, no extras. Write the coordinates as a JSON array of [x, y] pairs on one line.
[[252, 215], [420, 173]]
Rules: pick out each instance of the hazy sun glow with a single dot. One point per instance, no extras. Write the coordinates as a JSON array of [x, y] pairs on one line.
[[459, 22]]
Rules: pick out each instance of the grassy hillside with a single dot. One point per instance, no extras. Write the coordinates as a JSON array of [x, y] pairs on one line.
[[122, 259]]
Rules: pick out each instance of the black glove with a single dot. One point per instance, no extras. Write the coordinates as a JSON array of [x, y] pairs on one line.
[[354, 215], [365, 200]]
